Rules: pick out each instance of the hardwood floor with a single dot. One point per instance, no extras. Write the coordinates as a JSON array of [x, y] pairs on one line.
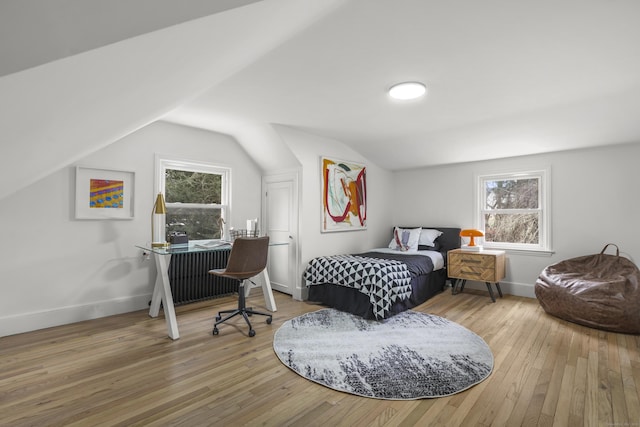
[[123, 370]]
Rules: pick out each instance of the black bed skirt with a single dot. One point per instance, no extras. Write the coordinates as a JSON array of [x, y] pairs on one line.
[[353, 301]]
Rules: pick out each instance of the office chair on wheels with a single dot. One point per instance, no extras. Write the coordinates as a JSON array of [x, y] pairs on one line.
[[248, 258]]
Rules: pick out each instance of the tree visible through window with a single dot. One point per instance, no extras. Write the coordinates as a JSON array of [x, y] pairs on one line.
[[193, 203], [512, 210], [196, 196]]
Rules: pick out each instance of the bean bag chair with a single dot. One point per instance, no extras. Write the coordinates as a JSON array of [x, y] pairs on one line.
[[600, 291]]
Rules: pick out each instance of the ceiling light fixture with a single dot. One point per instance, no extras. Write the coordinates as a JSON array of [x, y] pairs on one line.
[[407, 90]]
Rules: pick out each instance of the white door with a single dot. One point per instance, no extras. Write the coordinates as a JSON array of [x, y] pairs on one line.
[[280, 207]]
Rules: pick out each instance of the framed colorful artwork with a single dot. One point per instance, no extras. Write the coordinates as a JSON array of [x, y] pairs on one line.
[[344, 195], [104, 193]]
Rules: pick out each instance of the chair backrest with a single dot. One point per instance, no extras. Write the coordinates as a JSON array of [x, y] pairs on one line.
[[248, 257]]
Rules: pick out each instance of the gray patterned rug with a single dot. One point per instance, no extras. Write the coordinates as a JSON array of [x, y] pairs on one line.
[[408, 356]]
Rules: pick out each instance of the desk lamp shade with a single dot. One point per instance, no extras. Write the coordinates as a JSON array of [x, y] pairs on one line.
[[158, 214], [471, 233]]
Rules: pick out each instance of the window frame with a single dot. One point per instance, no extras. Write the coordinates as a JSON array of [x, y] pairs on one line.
[[164, 162], [544, 208]]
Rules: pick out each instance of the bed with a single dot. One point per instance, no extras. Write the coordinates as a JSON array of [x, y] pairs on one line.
[[402, 279]]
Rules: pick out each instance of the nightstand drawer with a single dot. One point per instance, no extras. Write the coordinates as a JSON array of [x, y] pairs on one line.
[[472, 272], [474, 260]]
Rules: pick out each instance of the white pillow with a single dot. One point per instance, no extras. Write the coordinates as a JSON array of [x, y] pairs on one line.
[[428, 236], [405, 239]]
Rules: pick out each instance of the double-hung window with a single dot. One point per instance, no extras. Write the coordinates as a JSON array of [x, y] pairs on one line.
[[513, 210], [197, 197]]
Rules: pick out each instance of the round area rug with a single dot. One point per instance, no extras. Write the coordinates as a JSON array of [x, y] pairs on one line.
[[408, 356]]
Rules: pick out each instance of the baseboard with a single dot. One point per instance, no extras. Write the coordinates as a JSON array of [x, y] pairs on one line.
[[20, 323], [516, 289]]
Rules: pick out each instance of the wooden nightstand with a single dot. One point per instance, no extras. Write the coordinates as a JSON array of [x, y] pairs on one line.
[[484, 266]]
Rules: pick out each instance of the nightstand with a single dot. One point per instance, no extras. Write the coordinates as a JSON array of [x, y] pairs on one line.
[[484, 266]]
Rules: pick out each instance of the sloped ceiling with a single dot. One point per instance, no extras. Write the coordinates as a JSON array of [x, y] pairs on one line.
[[504, 78], [34, 32], [53, 114]]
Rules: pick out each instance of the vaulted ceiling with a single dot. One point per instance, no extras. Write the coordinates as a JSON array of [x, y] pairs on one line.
[[504, 78]]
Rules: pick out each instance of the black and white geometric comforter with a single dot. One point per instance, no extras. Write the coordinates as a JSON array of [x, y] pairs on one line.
[[383, 281]]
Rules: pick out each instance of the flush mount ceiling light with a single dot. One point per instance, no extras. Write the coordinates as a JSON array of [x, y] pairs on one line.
[[407, 90]]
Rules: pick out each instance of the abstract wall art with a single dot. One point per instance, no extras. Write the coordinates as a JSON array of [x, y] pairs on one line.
[[104, 193], [344, 195]]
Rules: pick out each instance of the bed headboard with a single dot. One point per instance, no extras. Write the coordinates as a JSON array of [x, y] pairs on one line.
[[450, 238]]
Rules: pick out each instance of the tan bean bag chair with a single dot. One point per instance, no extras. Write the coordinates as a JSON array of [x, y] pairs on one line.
[[600, 291]]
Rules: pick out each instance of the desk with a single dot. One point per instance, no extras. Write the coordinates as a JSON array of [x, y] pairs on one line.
[[162, 288]]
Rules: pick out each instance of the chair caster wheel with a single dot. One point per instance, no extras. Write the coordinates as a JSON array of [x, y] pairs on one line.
[[215, 331], [252, 333], [218, 317], [269, 320]]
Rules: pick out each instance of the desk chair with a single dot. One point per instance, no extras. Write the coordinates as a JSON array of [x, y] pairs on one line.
[[248, 258]]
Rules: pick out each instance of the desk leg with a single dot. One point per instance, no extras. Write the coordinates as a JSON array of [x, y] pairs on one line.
[[156, 298], [268, 293], [162, 293]]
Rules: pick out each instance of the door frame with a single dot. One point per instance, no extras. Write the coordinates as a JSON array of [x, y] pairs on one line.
[[291, 176]]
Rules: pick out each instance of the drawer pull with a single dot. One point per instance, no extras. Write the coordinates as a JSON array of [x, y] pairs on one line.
[[472, 261]]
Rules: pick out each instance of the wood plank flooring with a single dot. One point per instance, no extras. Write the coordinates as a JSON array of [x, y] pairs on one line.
[[124, 371]]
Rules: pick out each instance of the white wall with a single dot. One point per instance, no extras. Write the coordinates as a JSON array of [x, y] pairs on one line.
[[308, 149], [594, 195], [56, 269]]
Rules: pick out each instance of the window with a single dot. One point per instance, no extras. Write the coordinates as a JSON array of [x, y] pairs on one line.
[[513, 210], [196, 195]]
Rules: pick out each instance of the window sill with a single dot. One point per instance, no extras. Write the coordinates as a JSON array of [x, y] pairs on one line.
[[524, 252]]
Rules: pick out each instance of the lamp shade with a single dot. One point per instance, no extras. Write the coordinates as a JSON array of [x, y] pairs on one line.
[[471, 233], [160, 207], [158, 213]]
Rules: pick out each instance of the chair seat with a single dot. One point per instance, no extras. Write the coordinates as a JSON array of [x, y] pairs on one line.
[[234, 275]]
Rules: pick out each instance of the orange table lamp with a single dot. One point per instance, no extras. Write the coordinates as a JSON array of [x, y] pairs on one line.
[[471, 233]]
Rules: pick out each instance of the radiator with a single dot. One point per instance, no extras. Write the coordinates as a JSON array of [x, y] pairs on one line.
[[190, 279]]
